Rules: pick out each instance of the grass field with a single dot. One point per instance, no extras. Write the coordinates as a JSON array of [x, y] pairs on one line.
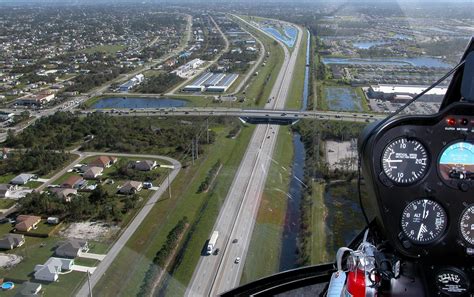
[[295, 94], [318, 227], [263, 257], [108, 49], [6, 203], [125, 275]]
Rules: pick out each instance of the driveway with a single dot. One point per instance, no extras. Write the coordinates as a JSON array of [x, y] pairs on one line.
[[99, 257], [81, 268]]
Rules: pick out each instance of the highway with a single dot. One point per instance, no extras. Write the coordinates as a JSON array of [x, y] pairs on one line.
[[134, 224], [217, 274]]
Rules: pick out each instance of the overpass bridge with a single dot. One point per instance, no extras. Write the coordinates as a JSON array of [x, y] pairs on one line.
[[255, 116]]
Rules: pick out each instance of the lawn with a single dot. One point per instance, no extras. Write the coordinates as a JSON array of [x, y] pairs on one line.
[[295, 94], [6, 178], [263, 257], [33, 184], [6, 203], [108, 49], [125, 275], [318, 226]]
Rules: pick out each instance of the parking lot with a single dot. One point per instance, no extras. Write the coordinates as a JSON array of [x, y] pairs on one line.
[[384, 106]]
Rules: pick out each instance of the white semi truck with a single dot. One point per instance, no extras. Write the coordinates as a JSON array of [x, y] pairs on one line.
[[212, 242]]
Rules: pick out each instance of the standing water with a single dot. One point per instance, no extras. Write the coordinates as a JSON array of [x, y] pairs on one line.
[[288, 255]]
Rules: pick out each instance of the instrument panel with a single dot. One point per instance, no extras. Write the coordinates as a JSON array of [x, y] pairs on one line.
[[421, 182]]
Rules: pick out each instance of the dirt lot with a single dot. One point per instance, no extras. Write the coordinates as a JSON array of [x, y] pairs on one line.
[[9, 260], [89, 230], [341, 150]]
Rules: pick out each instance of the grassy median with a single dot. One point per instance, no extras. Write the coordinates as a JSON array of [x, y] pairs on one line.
[[295, 94]]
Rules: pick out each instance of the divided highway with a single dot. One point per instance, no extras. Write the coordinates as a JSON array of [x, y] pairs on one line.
[[217, 274]]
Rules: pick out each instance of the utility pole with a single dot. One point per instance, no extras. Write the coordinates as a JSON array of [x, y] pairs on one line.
[[192, 149], [169, 184], [89, 281], [207, 129], [197, 148]]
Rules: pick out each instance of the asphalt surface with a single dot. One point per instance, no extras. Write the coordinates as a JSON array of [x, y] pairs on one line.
[[217, 274], [134, 224]]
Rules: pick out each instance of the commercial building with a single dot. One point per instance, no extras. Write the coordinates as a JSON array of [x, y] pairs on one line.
[[187, 70], [35, 99], [212, 82], [136, 80], [402, 93]]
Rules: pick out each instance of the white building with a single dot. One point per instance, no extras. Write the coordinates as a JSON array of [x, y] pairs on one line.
[[402, 92]]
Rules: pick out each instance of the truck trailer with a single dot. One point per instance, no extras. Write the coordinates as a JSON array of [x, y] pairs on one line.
[[212, 242]]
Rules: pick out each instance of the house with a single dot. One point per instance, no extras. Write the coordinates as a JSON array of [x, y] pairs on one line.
[[29, 289], [64, 193], [93, 172], [145, 165], [6, 190], [103, 161], [50, 270], [131, 187], [11, 241], [72, 248], [25, 223], [22, 179], [73, 182]]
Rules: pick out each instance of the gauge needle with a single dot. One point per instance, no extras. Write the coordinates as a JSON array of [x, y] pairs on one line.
[[393, 161], [422, 229]]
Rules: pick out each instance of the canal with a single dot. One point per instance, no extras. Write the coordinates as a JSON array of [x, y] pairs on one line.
[[138, 102]]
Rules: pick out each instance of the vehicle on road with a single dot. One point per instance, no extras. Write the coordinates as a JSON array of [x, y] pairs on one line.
[[212, 242], [237, 260], [216, 251], [235, 240]]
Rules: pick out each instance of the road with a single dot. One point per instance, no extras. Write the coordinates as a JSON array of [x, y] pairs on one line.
[[252, 70], [226, 48], [134, 224], [217, 274]]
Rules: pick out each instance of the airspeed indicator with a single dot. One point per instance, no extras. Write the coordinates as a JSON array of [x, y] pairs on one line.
[[404, 161]]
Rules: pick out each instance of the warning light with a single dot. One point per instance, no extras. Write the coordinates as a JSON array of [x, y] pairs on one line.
[[464, 122], [451, 121]]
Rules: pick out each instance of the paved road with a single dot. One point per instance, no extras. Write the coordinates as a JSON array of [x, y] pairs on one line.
[[216, 274], [132, 227], [226, 48]]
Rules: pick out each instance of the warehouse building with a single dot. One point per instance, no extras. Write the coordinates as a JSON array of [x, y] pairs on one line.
[[403, 93], [136, 80], [212, 82]]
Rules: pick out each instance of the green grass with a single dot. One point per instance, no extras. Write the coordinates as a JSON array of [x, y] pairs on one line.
[[6, 178], [108, 49], [259, 90], [33, 184], [6, 203], [64, 177], [263, 257], [318, 227], [363, 99], [43, 228], [295, 94], [126, 273], [86, 262]]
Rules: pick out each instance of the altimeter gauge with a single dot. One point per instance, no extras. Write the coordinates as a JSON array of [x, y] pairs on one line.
[[423, 221], [405, 161]]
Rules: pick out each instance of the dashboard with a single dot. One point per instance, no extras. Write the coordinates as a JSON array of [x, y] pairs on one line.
[[421, 183]]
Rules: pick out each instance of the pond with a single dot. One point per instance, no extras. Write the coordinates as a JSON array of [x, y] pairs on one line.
[[416, 62], [342, 98], [138, 102], [290, 34]]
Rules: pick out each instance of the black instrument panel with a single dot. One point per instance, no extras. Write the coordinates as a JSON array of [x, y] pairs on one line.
[[422, 182]]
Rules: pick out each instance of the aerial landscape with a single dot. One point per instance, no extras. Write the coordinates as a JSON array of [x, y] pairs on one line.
[[179, 148]]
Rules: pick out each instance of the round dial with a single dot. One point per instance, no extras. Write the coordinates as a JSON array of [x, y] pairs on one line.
[[404, 161], [423, 221], [466, 225], [457, 162], [452, 281]]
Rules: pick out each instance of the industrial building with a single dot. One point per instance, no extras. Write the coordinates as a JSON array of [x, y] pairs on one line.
[[403, 93], [35, 99], [212, 82], [136, 80]]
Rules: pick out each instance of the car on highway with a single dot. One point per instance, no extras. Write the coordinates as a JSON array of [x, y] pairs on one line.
[[216, 251], [235, 240], [237, 260]]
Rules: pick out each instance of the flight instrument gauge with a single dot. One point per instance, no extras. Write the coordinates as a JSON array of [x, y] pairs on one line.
[[405, 161], [466, 225], [423, 221], [457, 162]]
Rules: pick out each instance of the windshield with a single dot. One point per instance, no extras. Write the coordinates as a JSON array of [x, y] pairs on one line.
[[184, 149]]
